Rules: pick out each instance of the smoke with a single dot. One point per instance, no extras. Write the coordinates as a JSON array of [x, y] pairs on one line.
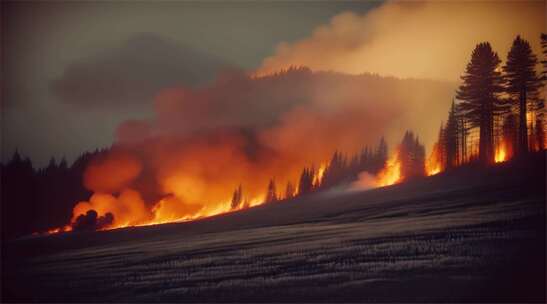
[[413, 39], [365, 181], [111, 172], [204, 142]]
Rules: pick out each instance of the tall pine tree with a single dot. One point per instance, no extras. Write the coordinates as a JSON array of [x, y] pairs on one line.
[[478, 95], [521, 83]]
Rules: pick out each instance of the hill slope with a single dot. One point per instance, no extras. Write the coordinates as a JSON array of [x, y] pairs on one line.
[[476, 234]]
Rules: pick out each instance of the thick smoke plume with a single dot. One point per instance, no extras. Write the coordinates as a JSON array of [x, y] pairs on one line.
[[204, 142], [413, 39]]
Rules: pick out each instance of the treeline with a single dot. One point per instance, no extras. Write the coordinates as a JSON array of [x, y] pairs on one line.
[[343, 169], [40, 199], [502, 103]]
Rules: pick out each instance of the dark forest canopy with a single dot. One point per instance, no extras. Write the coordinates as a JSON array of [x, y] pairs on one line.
[[40, 199]]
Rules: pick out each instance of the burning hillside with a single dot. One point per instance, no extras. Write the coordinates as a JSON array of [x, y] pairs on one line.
[[202, 155]]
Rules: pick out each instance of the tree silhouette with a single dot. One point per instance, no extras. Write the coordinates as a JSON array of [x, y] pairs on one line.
[[509, 133], [305, 184], [478, 95], [451, 139], [237, 197], [381, 155], [539, 135], [521, 83], [271, 194], [289, 190], [35, 200], [412, 156], [544, 61], [335, 171]]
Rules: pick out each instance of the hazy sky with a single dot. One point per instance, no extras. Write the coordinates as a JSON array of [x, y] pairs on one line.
[[73, 70]]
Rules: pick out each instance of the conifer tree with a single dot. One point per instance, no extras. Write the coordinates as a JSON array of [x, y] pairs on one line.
[[289, 191], [271, 195], [305, 184], [479, 96], [237, 198], [522, 84], [451, 138]]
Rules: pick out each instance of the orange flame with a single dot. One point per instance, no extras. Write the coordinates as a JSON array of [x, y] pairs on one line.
[[391, 173], [501, 152], [318, 177], [433, 164]]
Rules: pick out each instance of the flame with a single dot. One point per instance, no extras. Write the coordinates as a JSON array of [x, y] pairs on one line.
[[433, 163], [318, 176], [391, 173], [501, 152]]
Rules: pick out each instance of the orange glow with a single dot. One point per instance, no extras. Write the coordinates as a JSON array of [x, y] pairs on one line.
[[433, 164], [318, 177], [501, 153], [391, 173]]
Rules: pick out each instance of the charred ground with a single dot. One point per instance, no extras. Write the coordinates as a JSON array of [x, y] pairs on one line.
[[474, 234]]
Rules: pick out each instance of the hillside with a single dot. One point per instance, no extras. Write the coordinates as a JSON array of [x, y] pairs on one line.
[[475, 234]]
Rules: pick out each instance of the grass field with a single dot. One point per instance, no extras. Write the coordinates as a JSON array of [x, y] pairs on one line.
[[474, 235]]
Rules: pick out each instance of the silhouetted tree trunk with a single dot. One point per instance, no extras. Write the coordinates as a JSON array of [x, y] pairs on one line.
[[237, 198], [451, 138]]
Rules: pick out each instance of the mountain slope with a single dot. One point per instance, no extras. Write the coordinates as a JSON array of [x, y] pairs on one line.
[[475, 234]]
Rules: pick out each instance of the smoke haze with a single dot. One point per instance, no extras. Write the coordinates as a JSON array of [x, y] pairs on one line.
[[413, 39]]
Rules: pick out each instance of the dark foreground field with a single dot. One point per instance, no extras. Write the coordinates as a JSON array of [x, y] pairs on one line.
[[473, 235]]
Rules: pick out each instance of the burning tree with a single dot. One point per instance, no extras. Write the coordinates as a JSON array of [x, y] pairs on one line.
[[289, 191], [271, 194], [306, 181], [237, 198], [509, 134], [412, 156], [478, 95], [336, 170], [522, 83]]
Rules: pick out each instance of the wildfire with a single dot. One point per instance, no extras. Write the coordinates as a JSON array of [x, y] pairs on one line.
[[127, 209], [391, 173]]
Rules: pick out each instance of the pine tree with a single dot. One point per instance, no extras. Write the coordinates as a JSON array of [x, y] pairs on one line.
[[419, 158], [451, 138], [544, 61], [289, 191], [441, 146], [412, 156], [509, 133], [522, 83], [379, 158], [463, 131], [305, 184], [237, 198], [271, 194], [478, 95], [540, 134], [335, 170]]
